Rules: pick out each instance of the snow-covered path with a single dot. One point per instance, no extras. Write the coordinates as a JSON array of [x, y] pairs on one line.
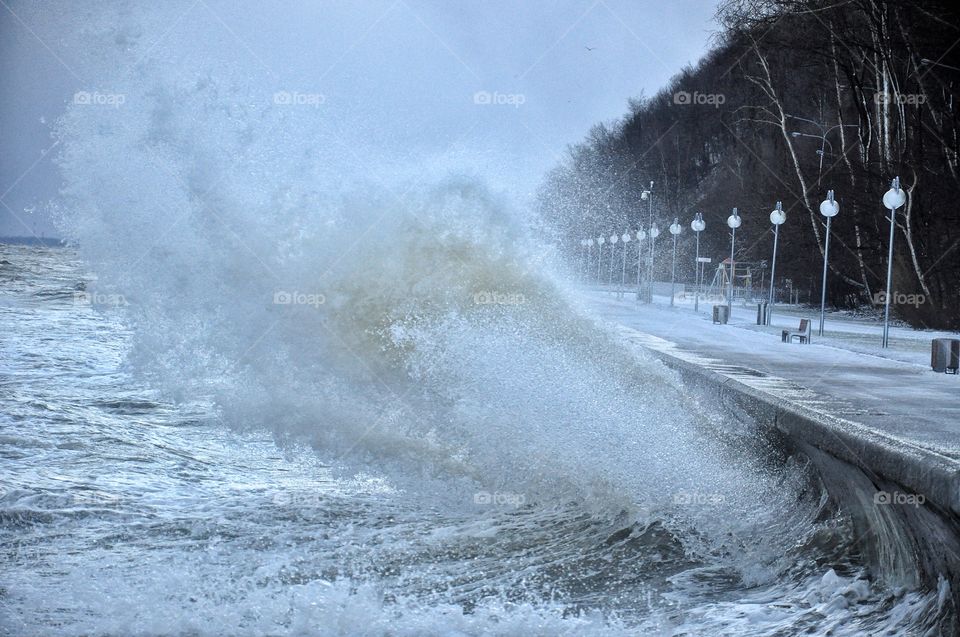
[[844, 373]]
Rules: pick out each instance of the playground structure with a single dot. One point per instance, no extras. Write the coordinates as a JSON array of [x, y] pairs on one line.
[[750, 280], [742, 274]]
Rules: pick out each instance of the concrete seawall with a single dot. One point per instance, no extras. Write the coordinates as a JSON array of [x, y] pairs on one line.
[[766, 400]]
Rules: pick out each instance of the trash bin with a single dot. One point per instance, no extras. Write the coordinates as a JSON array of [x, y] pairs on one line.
[[762, 313], [945, 355], [721, 314]]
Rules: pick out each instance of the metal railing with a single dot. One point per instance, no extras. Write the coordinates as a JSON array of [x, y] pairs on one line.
[[708, 293]]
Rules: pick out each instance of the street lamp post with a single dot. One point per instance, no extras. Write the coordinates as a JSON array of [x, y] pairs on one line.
[[654, 233], [613, 253], [893, 199], [586, 269], [777, 217], [623, 272], [583, 258], [829, 209], [600, 241], [823, 141], [697, 225], [675, 231], [929, 62], [641, 235], [647, 195], [824, 131], [733, 222]]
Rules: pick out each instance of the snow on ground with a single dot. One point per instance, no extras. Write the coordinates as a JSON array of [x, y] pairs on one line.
[[845, 372]]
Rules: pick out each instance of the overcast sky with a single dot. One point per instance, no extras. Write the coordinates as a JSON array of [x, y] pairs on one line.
[[512, 82]]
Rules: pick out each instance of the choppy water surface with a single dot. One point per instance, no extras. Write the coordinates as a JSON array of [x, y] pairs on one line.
[[523, 486], [296, 377]]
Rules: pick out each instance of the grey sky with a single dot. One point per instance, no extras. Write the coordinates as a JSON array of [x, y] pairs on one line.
[[402, 76]]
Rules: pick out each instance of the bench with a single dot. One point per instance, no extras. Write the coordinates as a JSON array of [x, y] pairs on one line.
[[803, 333]]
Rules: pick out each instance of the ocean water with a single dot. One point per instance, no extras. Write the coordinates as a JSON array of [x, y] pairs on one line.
[[285, 382], [522, 483]]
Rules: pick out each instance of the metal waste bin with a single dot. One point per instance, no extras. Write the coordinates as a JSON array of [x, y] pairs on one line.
[[721, 314], [762, 313], [945, 355]]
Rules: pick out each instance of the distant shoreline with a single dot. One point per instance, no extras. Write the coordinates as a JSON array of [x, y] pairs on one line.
[[34, 241]]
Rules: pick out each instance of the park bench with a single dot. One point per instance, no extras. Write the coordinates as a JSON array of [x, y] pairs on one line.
[[803, 333]]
